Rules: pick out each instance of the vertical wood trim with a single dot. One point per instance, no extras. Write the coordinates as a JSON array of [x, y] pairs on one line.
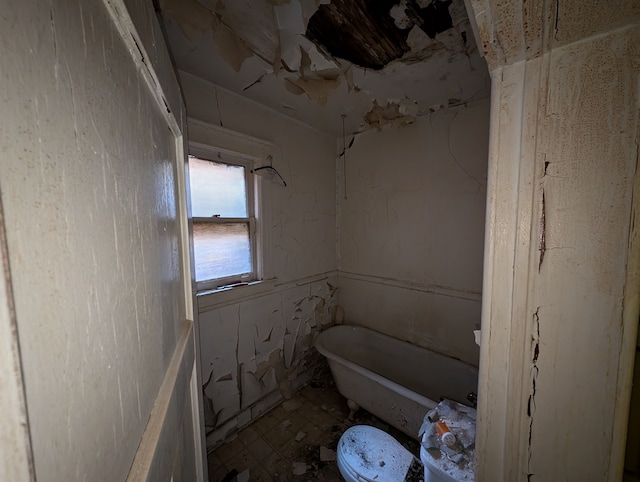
[[16, 457], [156, 453], [496, 369], [188, 260], [630, 330]]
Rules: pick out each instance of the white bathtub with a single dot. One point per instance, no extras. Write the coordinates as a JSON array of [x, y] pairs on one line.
[[396, 381]]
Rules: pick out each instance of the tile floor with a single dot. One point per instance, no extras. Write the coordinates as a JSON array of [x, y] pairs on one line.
[[295, 441]]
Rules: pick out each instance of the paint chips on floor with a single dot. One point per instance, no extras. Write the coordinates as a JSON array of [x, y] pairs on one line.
[[296, 441]]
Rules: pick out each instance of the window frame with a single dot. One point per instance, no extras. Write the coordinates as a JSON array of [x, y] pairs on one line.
[[253, 196]]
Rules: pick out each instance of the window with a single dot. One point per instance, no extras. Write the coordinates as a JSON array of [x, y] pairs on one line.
[[223, 203]]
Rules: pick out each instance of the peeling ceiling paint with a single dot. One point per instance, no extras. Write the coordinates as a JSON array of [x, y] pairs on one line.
[[379, 63]]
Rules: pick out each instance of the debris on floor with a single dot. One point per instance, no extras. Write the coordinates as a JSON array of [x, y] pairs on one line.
[[327, 455], [295, 441]]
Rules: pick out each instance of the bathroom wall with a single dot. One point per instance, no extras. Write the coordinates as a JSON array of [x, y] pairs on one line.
[[411, 229], [257, 346], [89, 182]]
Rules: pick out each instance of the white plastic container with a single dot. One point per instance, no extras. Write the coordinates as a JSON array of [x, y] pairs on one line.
[[448, 443]]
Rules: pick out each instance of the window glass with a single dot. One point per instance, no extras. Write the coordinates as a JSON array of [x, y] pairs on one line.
[[221, 250], [224, 224], [217, 189]]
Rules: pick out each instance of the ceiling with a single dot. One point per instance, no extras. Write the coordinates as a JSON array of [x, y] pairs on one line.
[[376, 62]]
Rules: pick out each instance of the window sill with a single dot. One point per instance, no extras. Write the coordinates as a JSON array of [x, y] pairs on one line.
[[210, 299]]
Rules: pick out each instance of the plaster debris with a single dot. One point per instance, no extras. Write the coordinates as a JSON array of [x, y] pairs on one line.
[[300, 436], [299, 468], [327, 455]]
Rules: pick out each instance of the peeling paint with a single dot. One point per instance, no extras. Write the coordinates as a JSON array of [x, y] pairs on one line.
[[300, 44], [194, 19], [270, 354], [232, 48], [316, 90], [531, 406], [400, 113]]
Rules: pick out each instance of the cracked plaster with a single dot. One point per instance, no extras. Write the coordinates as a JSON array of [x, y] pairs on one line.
[[291, 74]]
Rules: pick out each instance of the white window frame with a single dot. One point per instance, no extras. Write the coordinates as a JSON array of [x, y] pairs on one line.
[[252, 190], [210, 137]]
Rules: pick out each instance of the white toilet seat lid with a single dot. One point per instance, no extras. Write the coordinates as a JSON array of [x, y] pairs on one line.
[[373, 454]]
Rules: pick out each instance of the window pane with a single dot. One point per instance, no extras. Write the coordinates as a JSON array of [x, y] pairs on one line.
[[217, 188], [221, 250]]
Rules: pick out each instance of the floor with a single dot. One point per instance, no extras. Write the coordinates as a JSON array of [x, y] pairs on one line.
[[295, 441]]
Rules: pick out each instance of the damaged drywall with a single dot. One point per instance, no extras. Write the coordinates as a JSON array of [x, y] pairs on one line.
[[259, 351], [372, 34], [315, 59], [397, 113]]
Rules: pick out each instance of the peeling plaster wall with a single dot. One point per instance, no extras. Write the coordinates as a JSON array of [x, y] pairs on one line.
[[258, 350], [412, 227], [88, 190], [561, 267]]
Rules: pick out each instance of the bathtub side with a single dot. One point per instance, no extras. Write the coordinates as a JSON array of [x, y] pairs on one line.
[[402, 408], [424, 372], [371, 369]]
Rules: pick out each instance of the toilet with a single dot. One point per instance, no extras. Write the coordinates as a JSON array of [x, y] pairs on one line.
[[366, 453]]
